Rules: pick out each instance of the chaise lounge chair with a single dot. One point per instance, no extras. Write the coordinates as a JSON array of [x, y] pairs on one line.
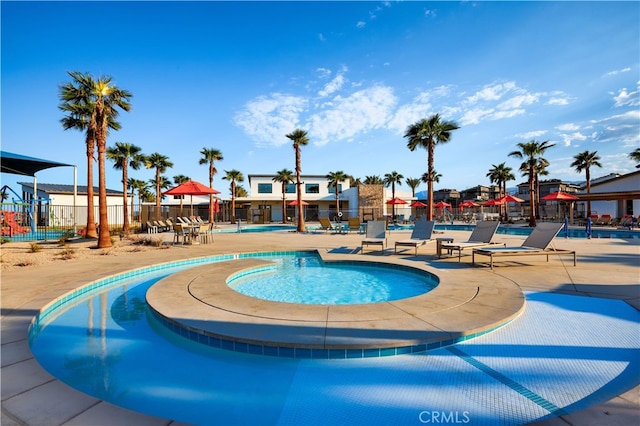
[[354, 224], [420, 235], [536, 243], [481, 236], [325, 224], [376, 235]]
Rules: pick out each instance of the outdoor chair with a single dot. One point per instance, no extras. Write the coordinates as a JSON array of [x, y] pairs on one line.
[[325, 224], [481, 236], [421, 234], [354, 224], [376, 235]]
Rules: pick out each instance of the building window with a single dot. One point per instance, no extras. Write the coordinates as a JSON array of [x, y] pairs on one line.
[[312, 188], [332, 189], [264, 188], [290, 188]]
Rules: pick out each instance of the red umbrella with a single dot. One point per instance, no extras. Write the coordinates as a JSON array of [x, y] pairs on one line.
[[494, 202], [469, 203], [191, 187], [441, 204], [396, 201], [559, 196], [417, 204], [295, 203], [510, 199]]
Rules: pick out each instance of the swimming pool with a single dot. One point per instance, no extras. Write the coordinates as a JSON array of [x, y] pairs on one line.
[[102, 341], [308, 280]]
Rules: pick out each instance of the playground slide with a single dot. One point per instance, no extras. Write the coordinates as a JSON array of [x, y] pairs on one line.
[[10, 226]]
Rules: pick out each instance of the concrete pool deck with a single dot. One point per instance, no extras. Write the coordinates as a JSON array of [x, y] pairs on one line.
[[607, 268]]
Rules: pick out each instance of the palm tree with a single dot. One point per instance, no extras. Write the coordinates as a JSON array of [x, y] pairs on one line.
[[77, 100], [125, 155], [334, 180], [412, 183], [635, 156], [299, 138], [500, 174], [354, 182], [209, 155], [531, 152], [427, 133], [284, 177], [233, 176], [390, 180], [584, 161], [435, 177], [241, 192], [161, 163], [107, 98], [178, 179], [141, 187], [372, 180]]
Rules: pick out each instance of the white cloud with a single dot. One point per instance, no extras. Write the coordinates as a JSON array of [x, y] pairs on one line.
[[531, 135], [491, 92], [625, 98], [558, 101], [269, 118], [619, 129], [568, 127], [355, 114], [569, 138], [361, 24], [616, 72], [474, 116], [518, 100], [334, 85], [323, 72]]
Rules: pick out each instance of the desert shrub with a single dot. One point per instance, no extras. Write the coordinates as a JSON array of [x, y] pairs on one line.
[[67, 253], [34, 248]]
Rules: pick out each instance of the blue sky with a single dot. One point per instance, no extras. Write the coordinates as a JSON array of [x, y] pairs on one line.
[[239, 76]]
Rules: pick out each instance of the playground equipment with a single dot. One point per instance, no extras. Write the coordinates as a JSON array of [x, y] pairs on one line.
[[12, 220]]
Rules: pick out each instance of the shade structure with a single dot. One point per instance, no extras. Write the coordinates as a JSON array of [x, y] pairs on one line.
[[559, 196], [469, 203], [191, 187], [417, 204], [494, 202], [510, 199], [24, 165], [441, 204], [396, 201], [295, 203]]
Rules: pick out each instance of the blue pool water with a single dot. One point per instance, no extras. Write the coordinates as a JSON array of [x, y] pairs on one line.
[[307, 280], [104, 342]]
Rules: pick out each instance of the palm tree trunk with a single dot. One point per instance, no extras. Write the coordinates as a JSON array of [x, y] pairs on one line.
[[125, 210], [532, 206], [588, 176], [90, 230], [158, 195], [299, 191], [430, 181], [233, 201], [104, 238], [284, 205]]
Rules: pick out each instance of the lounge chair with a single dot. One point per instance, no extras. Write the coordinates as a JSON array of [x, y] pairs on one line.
[[536, 243], [376, 235], [354, 224], [151, 228], [325, 224], [421, 234], [604, 220], [481, 236]]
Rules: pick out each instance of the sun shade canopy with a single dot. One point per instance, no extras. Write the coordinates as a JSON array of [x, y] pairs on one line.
[[23, 165]]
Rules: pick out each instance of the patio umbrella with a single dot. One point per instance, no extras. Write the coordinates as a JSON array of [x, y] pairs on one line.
[[467, 203], [562, 196], [295, 203], [441, 204], [417, 204], [191, 187], [396, 201], [510, 199]]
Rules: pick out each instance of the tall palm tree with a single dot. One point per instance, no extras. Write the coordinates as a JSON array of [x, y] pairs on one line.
[[108, 98], [541, 170], [584, 161], [532, 153], [161, 163], [141, 187], [78, 102], [500, 174], [412, 183], [334, 179], [209, 156], [299, 138], [284, 177], [233, 176], [372, 180], [635, 156], [354, 182], [390, 180], [241, 192], [178, 179], [427, 133], [125, 155]]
